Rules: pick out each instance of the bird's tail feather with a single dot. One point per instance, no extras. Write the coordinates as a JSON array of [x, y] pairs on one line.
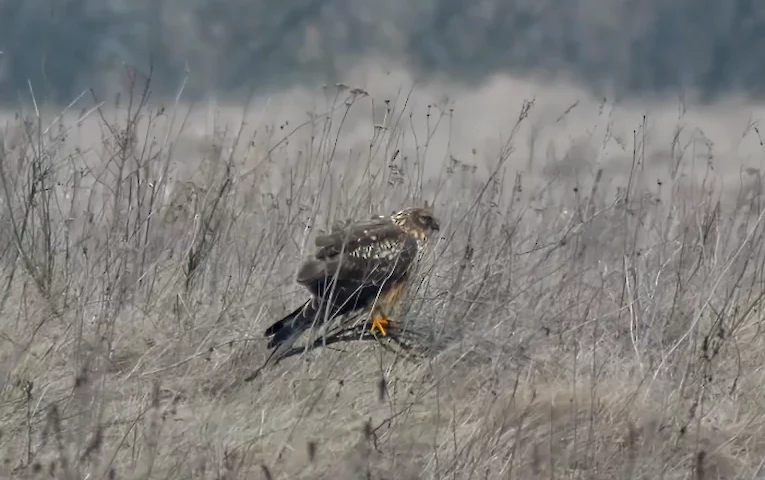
[[292, 325], [285, 331]]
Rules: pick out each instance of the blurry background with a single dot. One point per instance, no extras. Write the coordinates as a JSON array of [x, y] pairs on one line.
[[597, 166], [621, 46]]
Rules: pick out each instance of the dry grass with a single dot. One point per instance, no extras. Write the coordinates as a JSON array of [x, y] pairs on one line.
[[595, 315]]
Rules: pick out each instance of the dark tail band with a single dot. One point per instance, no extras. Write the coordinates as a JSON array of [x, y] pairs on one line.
[[291, 325]]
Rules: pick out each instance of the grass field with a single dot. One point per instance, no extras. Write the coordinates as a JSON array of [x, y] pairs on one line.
[[593, 304]]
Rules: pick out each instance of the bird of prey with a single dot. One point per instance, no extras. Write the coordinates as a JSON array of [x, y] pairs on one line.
[[362, 265]]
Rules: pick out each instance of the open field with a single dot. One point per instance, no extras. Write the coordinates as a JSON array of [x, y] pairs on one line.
[[593, 303]]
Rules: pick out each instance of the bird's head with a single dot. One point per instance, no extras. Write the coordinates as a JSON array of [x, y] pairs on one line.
[[420, 220]]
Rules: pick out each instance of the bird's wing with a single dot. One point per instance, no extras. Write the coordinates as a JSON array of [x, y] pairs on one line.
[[330, 244], [365, 254]]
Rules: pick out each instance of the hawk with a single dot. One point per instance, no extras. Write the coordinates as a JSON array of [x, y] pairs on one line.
[[363, 265]]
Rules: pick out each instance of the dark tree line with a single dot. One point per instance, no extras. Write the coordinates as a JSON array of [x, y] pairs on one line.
[[64, 46]]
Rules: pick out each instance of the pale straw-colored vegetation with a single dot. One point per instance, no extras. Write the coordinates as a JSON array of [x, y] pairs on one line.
[[593, 303]]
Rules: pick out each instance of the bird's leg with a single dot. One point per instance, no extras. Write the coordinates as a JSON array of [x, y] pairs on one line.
[[379, 321], [388, 300]]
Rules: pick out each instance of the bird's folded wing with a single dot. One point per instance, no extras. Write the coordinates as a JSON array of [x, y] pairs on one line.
[[364, 254], [330, 244]]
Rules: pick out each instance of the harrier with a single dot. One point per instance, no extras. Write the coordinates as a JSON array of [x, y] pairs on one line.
[[363, 265]]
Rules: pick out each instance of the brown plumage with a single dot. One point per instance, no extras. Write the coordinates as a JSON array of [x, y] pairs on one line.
[[362, 265]]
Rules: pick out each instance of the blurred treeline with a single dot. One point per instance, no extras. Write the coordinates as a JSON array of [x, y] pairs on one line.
[[632, 46]]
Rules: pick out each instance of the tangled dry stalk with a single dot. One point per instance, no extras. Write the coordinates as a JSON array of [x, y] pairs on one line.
[[593, 326]]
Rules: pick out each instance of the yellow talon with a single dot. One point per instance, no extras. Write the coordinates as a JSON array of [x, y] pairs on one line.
[[379, 323]]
